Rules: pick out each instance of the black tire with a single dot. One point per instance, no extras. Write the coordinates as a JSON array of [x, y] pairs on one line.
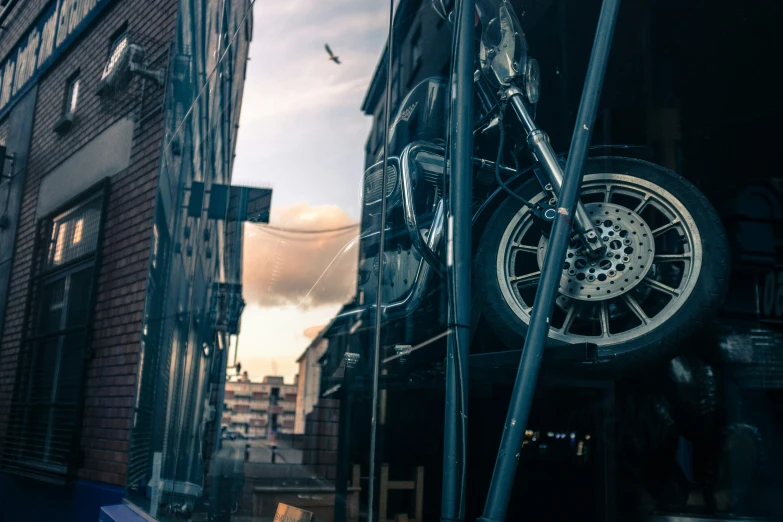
[[654, 347]]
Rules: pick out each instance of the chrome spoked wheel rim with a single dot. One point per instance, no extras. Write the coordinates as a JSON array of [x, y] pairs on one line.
[[651, 266]]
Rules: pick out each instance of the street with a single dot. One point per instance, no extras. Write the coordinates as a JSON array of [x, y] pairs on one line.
[[231, 455]]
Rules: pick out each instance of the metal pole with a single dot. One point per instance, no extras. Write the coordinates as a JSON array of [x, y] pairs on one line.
[[535, 341], [376, 361], [458, 265], [343, 450]]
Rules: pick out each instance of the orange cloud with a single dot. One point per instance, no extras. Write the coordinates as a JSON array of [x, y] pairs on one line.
[[313, 331], [282, 268]]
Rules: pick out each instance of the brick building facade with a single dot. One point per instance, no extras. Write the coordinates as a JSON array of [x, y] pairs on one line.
[[98, 150]]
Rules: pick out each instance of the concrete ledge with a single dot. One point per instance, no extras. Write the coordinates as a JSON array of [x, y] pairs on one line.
[[121, 513], [105, 155]]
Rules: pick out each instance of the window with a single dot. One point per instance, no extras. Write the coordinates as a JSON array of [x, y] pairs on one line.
[[71, 94], [116, 52], [70, 102], [45, 408]]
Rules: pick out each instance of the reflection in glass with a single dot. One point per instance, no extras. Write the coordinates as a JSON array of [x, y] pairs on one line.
[[255, 386], [234, 416]]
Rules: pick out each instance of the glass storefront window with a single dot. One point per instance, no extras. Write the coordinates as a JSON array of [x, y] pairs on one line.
[[346, 274]]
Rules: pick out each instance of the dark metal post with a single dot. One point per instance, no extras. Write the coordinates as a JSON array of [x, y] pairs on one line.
[[343, 449], [458, 261], [376, 360], [535, 341]]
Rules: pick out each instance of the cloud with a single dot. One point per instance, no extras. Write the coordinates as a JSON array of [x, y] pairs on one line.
[[311, 332], [272, 339], [298, 270]]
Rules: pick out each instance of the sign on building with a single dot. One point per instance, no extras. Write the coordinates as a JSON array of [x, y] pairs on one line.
[[54, 29]]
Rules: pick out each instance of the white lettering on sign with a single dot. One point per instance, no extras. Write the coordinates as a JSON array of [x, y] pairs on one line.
[[47, 38], [27, 60], [42, 42], [8, 81], [72, 13], [65, 15]]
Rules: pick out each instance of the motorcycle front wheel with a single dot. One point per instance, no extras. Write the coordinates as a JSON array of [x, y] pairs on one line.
[[661, 279]]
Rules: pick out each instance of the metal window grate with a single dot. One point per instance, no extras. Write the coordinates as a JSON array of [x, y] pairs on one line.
[[74, 234]]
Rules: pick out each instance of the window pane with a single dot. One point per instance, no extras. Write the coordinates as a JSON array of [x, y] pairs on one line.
[[79, 293], [74, 234], [52, 298], [73, 96], [34, 434], [62, 424], [44, 368], [115, 54], [71, 369]]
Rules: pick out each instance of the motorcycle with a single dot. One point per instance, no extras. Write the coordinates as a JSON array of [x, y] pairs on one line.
[[648, 260]]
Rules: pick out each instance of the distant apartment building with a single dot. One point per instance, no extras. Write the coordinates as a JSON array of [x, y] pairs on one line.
[[258, 409]]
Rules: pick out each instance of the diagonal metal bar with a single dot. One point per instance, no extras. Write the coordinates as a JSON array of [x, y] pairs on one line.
[[535, 342]]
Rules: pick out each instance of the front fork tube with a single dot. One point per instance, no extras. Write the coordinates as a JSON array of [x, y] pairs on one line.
[[538, 141]]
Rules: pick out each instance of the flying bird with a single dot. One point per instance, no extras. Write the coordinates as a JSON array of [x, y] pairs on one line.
[[332, 57]]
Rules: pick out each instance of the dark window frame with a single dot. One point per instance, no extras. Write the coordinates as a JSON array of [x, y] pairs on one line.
[[16, 456], [73, 80], [69, 106]]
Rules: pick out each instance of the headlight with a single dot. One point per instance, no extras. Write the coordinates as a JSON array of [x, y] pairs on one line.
[[373, 179], [532, 80]]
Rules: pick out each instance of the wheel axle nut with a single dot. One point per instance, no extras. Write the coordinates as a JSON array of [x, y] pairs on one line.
[[627, 242]]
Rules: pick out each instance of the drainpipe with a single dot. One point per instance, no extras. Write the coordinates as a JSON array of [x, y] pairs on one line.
[[458, 265], [535, 342]]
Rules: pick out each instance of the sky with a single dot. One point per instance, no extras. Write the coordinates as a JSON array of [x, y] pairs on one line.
[[302, 133]]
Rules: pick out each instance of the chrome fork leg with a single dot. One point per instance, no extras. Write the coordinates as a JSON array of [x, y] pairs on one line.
[[538, 141]]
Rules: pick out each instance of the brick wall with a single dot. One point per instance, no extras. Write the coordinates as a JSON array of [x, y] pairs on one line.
[[110, 379], [17, 22], [320, 441]]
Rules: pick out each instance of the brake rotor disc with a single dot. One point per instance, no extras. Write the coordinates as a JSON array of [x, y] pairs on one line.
[[630, 249]]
